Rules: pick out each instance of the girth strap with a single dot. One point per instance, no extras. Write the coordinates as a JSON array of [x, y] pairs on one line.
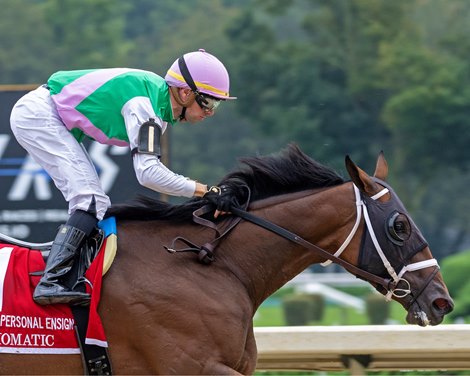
[[95, 359]]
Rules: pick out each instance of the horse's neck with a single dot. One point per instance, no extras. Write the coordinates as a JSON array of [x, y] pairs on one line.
[[266, 261]]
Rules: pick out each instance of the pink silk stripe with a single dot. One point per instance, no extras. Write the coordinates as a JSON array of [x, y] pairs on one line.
[[75, 92]]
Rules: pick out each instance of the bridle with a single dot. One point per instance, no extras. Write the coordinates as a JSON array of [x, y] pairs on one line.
[[388, 286], [396, 277]]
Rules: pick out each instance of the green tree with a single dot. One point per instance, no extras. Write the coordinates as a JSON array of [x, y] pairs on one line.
[[337, 77], [86, 34], [25, 39], [426, 74], [308, 84], [355, 77], [40, 37]]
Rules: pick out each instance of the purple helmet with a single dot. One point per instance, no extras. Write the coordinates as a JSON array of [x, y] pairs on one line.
[[208, 73]]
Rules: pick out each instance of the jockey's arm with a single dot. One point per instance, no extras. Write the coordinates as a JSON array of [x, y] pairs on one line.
[[150, 171]]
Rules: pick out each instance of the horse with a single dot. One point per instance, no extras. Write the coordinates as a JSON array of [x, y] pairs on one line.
[[164, 312]]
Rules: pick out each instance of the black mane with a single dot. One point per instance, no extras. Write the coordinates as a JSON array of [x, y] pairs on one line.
[[287, 172]]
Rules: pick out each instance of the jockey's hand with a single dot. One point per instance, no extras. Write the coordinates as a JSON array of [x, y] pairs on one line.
[[218, 212], [223, 198]]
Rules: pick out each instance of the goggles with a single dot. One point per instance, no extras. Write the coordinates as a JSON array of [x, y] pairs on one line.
[[206, 102]]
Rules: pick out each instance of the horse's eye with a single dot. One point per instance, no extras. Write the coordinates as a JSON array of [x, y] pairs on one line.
[[399, 228]]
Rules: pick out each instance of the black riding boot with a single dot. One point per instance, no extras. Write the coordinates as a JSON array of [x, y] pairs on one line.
[[65, 249]]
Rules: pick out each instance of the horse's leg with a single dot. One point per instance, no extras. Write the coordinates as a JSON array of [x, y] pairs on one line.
[[247, 364]]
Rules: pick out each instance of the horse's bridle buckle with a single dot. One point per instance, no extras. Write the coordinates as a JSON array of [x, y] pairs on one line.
[[398, 292]]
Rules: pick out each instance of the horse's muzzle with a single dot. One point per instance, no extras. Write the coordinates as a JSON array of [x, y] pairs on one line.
[[433, 316]]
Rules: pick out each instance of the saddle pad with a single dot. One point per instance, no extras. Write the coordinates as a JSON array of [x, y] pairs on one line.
[[26, 327]]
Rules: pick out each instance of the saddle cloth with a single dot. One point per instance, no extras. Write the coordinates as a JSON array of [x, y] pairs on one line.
[[26, 327]]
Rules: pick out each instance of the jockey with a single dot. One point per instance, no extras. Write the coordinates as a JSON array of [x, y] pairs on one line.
[[117, 106]]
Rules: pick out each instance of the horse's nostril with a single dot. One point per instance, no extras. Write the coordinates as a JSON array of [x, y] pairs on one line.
[[443, 305]]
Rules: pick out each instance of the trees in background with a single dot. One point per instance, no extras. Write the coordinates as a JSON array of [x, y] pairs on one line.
[[355, 77], [337, 77]]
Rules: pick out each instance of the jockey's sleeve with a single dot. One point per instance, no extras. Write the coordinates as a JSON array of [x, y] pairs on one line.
[[150, 171], [153, 174]]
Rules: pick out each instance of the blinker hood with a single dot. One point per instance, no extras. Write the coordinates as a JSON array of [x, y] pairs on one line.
[[380, 214]]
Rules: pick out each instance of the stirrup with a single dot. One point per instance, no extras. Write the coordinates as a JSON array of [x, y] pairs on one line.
[[73, 299], [53, 292]]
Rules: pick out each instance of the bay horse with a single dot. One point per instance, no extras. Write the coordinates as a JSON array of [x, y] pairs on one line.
[[166, 313]]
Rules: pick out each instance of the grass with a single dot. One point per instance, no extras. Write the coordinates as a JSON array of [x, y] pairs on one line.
[[334, 315], [271, 314]]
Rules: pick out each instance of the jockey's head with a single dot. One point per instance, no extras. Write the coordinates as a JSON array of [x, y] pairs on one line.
[[205, 75]]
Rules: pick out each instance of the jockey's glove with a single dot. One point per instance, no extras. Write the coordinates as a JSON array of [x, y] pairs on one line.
[[222, 197]]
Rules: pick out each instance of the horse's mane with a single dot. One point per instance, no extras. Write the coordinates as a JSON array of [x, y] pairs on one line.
[[286, 172]]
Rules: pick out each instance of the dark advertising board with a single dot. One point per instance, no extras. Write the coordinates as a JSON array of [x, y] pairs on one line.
[[31, 207]]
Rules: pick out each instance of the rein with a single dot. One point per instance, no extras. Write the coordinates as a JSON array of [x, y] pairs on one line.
[[206, 256], [385, 282], [205, 252]]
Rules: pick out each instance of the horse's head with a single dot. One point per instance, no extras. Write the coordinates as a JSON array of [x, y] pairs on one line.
[[394, 248]]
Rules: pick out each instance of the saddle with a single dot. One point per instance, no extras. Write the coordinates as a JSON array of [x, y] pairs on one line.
[[106, 228], [43, 247], [103, 242], [88, 251]]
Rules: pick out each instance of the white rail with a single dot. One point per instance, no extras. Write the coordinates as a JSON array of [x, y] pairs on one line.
[[372, 347]]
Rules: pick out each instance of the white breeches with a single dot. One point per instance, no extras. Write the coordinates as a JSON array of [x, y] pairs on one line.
[[39, 129]]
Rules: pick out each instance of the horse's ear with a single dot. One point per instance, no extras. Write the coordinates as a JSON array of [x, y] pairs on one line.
[[381, 168], [360, 178]]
